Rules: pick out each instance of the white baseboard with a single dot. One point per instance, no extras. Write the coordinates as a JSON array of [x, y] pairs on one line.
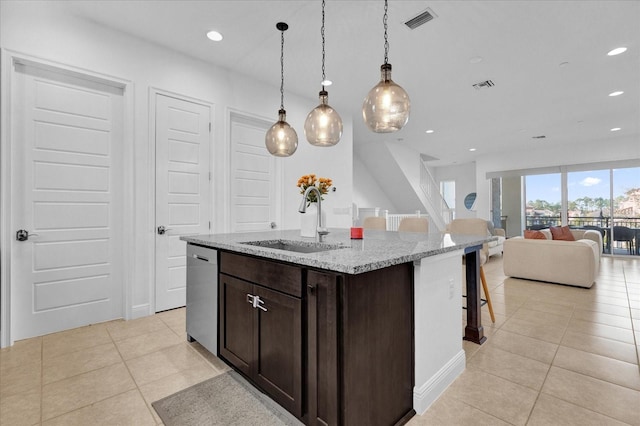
[[140, 311], [426, 394]]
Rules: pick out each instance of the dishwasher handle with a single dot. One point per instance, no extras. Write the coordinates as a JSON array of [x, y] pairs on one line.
[[197, 256]]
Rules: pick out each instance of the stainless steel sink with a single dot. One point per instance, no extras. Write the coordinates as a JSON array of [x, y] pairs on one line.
[[295, 246]]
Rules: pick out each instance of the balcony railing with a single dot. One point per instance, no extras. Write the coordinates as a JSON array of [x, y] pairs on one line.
[[540, 222], [604, 225]]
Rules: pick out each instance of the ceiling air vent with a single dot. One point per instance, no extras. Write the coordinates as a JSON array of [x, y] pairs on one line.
[[483, 85], [421, 18]]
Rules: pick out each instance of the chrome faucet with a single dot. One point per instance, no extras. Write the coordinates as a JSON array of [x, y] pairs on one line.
[[320, 231]]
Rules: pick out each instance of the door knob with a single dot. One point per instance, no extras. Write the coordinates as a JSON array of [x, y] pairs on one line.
[[273, 225], [162, 230], [23, 235]]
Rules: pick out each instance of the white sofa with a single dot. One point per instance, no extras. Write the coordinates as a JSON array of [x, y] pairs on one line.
[[564, 262], [496, 247]]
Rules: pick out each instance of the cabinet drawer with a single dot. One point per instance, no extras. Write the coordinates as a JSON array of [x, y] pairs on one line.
[[267, 273]]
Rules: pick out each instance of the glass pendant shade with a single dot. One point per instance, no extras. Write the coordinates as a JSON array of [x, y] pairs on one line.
[[281, 139], [386, 108], [323, 126]]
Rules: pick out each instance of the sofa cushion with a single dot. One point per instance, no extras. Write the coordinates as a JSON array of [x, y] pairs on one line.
[[534, 235], [562, 233]]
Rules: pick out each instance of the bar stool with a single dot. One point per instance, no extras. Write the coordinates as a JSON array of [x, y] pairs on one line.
[[374, 222], [414, 224], [476, 227]]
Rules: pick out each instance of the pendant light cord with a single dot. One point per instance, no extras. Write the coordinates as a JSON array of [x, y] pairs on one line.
[[282, 69], [322, 33], [386, 38]]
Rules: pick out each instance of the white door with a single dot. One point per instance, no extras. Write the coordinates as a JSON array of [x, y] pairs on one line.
[[66, 180], [182, 191], [255, 178]]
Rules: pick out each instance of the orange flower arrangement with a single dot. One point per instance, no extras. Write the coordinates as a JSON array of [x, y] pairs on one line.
[[323, 184]]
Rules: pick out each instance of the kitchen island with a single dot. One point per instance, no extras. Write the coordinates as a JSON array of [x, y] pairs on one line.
[[346, 331]]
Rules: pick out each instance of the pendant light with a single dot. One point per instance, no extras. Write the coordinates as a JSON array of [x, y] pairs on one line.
[[323, 126], [386, 107], [281, 139]]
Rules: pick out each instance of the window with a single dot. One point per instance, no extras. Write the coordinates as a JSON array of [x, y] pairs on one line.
[[543, 195], [448, 192], [588, 198]]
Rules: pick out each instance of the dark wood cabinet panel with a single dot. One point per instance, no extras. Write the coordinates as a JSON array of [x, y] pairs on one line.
[[278, 348], [236, 325], [263, 342], [322, 339], [277, 276], [360, 347], [378, 362], [333, 349]]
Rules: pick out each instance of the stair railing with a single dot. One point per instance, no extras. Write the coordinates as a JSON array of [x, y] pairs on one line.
[[441, 214]]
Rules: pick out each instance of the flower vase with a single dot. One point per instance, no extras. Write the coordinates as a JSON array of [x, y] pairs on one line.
[[309, 221]]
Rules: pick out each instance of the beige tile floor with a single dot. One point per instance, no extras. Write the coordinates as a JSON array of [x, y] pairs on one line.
[[556, 355]]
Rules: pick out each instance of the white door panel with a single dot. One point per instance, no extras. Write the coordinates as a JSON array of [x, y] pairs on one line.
[[67, 181], [182, 191], [255, 194]]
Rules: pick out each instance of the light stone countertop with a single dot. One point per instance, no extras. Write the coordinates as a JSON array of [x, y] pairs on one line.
[[378, 249]]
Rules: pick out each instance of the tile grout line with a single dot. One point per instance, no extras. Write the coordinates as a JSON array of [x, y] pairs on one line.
[[100, 400], [41, 378], [633, 329], [546, 376], [148, 405], [506, 379]]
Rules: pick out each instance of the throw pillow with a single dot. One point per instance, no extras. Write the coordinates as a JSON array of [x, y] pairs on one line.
[[561, 233], [534, 235]]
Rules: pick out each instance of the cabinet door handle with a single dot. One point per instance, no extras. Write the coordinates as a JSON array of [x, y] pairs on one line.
[[256, 302], [259, 304]]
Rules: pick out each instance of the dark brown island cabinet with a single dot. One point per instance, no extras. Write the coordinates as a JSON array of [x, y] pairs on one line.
[[331, 348]]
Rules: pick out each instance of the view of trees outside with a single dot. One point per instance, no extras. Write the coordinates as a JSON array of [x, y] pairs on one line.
[[588, 197], [544, 196], [626, 192], [588, 194]]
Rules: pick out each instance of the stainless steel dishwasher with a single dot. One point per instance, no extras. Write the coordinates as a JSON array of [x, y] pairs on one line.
[[202, 296]]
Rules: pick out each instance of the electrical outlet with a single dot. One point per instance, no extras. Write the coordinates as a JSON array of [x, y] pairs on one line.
[[451, 289]]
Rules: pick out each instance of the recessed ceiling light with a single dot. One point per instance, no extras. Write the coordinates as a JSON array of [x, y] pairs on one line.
[[617, 51], [618, 93], [214, 35], [326, 82], [429, 131], [476, 59], [615, 129], [472, 149]]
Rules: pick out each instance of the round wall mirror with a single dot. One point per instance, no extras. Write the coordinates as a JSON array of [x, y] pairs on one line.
[[470, 201]]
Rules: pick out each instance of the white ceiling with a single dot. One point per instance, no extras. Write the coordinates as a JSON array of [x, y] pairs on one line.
[[522, 44]]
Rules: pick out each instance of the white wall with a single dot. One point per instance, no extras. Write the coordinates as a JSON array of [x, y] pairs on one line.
[[366, 191], [465, 177], [38, 29]]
